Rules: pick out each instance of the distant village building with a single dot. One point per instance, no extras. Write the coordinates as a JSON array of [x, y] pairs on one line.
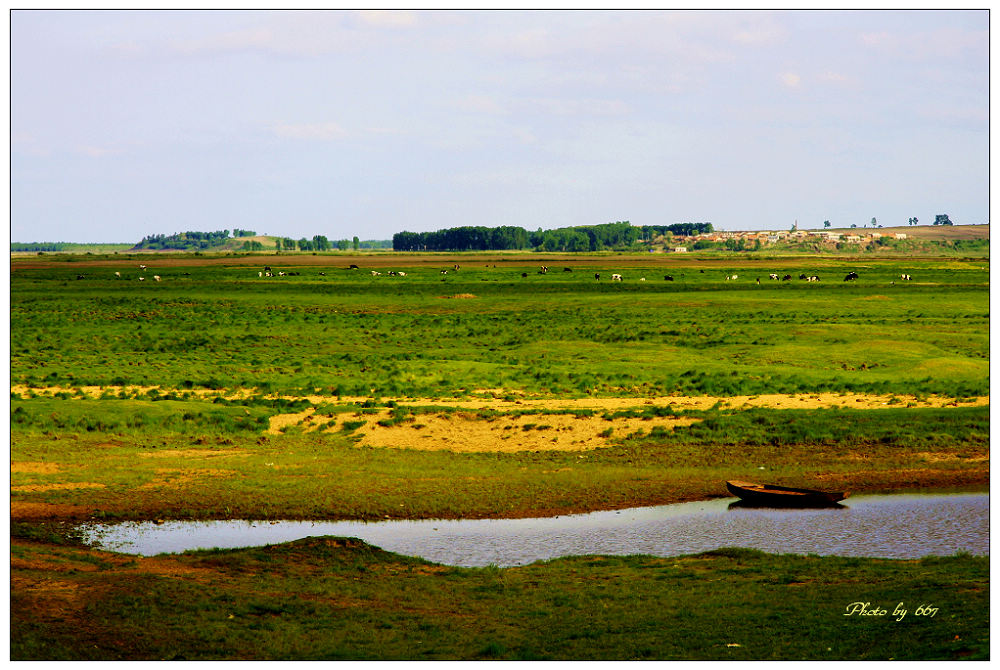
[[680, 250]]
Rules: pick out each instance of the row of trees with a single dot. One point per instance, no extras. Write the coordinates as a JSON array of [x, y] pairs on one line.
[[617, 235], [188, 240], [939, 220], [201, 241]]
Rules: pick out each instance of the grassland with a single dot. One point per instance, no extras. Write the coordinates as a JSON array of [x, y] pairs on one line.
[[335, 393], [338, 599]]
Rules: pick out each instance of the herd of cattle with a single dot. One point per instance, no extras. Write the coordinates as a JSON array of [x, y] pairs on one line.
[[267, 272]]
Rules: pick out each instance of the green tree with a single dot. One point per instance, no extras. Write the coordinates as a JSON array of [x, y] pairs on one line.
[[356, 242], [826, 224], [942, 220]]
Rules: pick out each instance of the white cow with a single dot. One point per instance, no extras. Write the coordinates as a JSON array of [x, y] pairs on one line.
[[616, 277]]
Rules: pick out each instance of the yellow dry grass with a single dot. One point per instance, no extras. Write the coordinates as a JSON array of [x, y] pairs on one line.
[[461, 432], [467, 432], [39, 488]]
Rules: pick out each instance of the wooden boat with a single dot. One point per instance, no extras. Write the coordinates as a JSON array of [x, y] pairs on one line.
[[771, 495]]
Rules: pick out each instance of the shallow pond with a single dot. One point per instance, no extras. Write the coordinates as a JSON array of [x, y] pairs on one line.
[[887, 526]]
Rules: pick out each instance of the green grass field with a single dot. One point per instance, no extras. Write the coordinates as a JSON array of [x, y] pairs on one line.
[[351, 333], [156, 400]]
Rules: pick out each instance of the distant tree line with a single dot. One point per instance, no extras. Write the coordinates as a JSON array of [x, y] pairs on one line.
[[188, 240], [42, 246], [617, 235]]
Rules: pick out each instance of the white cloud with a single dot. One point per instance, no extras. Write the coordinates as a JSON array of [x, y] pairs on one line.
[[569, 107], [835, 77], [790, 79], [310, 131], [259, 38], [387, 18], [97, 152], [482, 104]]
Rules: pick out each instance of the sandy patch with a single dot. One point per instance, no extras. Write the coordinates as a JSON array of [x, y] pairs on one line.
[[186, 453], [773, 401], [515, 399], [26, 468], [307, 421], [170, 477], [467, 433], [945, 458], [69, 486]]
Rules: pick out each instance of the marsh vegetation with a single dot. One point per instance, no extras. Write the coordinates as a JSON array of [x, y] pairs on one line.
[[325, 392]]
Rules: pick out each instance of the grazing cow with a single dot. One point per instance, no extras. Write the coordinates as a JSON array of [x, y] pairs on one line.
[[375, 274], [773, 276], [402, 274], [812, 278], [523, 275], [597, 276], [260, 274], [118, 275], [392, 273], [353, 267], [281, 274], [667, 278], [156, 277], [322, 274], [802, 276], [567, 269], [544, 270], [642, 279], [142, 267], [140, 278], [758, 281], [905, 277], [79, 276], [267, 268], [616, 277], [786, 278], [851, 276], [732, 277]]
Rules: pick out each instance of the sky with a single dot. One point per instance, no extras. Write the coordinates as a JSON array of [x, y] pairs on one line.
[[367, 123]]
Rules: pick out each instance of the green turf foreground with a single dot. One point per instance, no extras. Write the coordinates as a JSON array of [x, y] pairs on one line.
[[337, 598]]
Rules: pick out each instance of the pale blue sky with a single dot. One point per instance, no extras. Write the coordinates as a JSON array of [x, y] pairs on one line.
[[344, 123]]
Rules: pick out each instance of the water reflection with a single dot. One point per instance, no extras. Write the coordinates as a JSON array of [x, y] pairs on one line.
[[895, 526], [744, 504]]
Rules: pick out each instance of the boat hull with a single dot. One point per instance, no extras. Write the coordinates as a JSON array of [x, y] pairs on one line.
[[770, 495]]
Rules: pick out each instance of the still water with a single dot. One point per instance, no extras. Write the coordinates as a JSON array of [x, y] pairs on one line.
[[886, 526]]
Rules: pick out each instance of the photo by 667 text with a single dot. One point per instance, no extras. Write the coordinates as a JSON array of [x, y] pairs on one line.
[[898, 613]]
